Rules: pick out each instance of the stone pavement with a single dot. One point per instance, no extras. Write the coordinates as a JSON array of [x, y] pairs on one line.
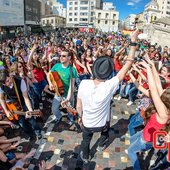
[[60, 145]]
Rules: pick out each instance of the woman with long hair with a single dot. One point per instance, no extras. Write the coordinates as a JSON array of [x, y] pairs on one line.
[[87, 60], [156, 117], [18, 69], [7, 62], [40, 84]]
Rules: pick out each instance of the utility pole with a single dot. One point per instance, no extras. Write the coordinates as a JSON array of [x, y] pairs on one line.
[[25, 26]]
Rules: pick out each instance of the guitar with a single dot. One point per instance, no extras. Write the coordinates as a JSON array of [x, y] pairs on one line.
[[15, 113]]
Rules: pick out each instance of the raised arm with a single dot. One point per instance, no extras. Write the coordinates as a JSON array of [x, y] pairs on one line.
[[130, 57], [156, 75], [31, 55], [138, 86], [162, 112]]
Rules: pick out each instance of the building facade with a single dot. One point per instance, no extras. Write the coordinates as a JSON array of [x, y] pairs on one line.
[[159, 31], [53, 22], [164, 7], [108, 6], [81, 13], [106, 20], [140, 20], [151, 12], [129, 22], [57, 8]]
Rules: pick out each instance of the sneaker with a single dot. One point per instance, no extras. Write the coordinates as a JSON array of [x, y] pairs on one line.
[[85, 161], [126, 151], [129, 103], [119, 98], [115, 98], [39, 136], [41, 106], [101, 148], [127, 135], [70, 122]]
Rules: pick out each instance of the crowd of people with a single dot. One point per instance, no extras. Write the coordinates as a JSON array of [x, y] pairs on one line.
[[85, 71]]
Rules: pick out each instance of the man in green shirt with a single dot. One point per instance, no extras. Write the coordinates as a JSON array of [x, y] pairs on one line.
[[64, 72]]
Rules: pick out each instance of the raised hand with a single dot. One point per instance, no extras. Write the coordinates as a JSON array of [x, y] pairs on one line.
[[134, 35]]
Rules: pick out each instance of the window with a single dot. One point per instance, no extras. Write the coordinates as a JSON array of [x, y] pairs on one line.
[[107, 15], [76, 3], [52, 21], [76, 8], [75, 19], [98, 21], [43, 22], [114, 15], [92, 7], [56, 21], [47, 21], [75, 13], [70, 19], [83, 8], [99, 15], [83, 19], [113, 23], [70, 8], [84, 13], [92, 13], [168, 13], [106, 22], [84, 2], [70, 3], [70, 14]]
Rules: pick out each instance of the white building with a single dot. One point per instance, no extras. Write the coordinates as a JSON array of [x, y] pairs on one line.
[[108, 6], [81, 13], [58, 8], [159, 31], [53, 21], [151, 12], [106, 20], [129, 22], [164, 7]]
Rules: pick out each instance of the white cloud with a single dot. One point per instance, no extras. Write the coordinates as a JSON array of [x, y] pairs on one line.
[[131, 3], [136, 1]]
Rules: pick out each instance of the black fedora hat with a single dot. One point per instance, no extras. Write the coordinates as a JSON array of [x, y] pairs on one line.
[[102, 68]]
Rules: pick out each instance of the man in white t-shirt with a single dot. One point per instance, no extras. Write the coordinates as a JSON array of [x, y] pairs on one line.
[[94, 97]]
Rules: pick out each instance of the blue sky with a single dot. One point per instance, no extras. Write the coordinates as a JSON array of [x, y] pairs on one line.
[[125, 7]]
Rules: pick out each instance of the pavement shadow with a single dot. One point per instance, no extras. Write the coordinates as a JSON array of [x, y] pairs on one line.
[[116, 131]]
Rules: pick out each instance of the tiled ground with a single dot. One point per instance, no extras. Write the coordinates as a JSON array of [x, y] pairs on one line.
[[60, 145]]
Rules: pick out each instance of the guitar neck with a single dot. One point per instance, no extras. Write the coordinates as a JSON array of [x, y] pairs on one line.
[[19, 113]]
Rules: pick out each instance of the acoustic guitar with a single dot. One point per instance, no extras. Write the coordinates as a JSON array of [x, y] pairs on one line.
[[15, 113]]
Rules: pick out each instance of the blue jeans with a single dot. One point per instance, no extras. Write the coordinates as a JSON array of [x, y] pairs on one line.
[[124, 92], [56, 110], [137, 145], [39, 87], [135, 121], [132, 93]]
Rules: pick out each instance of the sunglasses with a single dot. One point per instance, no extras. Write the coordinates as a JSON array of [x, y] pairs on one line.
[[63, 55]]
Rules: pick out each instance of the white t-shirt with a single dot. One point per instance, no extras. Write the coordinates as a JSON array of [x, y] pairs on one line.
[[23, 87], [96, 101]]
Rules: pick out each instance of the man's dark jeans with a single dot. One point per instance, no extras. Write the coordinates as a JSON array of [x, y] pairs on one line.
[[29, 125], [87, 136]]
